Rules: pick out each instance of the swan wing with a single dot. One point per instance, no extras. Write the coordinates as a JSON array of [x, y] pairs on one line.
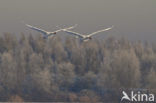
[[74, 33], [94, 33], [72, 27], [37, 29]]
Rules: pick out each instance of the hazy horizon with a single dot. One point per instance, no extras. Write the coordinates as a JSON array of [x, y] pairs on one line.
[[134, 19]]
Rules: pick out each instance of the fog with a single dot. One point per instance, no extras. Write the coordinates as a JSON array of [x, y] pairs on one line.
[[135, 19]]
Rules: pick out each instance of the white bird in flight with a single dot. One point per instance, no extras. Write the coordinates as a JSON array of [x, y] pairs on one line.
[[46, 34], [85, 37]]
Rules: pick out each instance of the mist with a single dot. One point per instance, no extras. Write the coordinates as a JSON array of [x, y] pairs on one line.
[[133, 19]]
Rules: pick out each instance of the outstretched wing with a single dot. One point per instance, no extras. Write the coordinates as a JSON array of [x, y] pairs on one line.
[[72, 27], [73, 33], [37, 29], [57, 31], [100, 31]]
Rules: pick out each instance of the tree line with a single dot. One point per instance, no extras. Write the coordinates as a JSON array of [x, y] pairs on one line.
[[35, 69]]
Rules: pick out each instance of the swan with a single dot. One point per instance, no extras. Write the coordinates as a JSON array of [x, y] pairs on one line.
[[85, 37], [47, 34]]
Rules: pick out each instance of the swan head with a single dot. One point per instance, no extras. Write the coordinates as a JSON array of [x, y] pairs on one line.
[[87, 39]]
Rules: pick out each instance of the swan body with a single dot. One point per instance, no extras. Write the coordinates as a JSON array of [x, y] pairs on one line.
[[47, 34]]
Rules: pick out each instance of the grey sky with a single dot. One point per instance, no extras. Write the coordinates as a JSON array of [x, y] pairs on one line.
[[133, 18]]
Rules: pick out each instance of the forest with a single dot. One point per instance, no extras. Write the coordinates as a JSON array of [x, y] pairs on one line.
[[33, 69]]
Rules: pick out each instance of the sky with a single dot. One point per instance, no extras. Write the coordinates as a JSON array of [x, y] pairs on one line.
[[133, 19]]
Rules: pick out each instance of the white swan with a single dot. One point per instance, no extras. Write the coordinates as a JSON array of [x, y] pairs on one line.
[[46, 34], [85, 37]]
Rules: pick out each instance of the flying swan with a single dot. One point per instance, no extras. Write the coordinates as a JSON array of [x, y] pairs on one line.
[[85, 37], [47, 34]]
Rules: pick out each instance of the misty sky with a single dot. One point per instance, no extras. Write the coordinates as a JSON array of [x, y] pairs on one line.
[[133, 18]]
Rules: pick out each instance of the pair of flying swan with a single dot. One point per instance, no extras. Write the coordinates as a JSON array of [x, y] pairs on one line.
[[82, 37]]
